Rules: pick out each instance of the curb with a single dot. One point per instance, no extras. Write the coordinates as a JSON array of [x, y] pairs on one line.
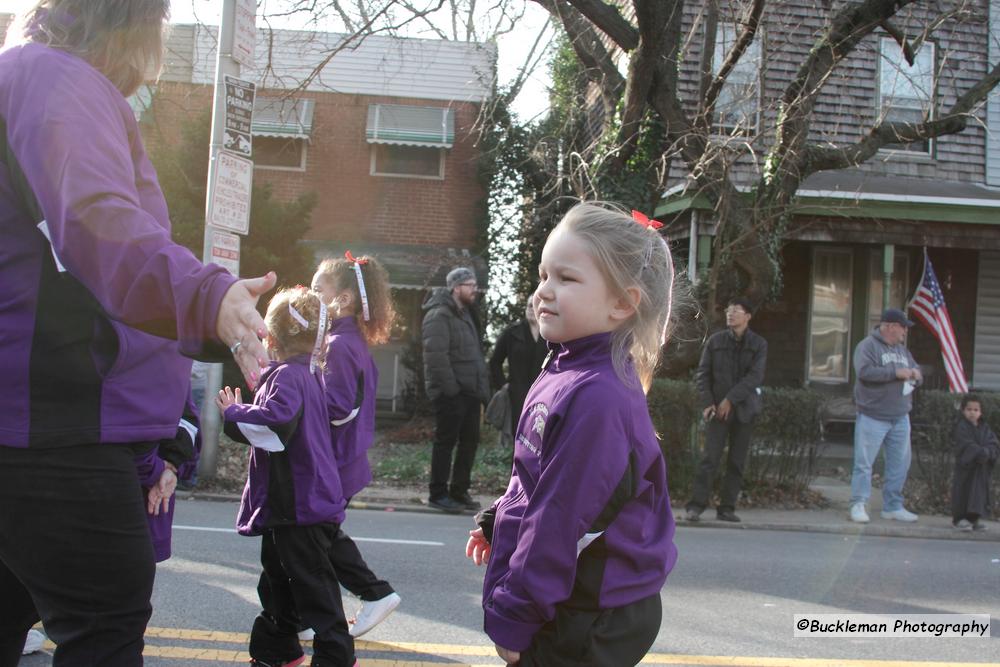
[[915, 532], [868, 530]]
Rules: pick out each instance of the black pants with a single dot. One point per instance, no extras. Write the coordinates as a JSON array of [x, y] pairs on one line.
[[299, 582], [350, 568], [456, 419], [616, 637], [717, 432], [75, 546]]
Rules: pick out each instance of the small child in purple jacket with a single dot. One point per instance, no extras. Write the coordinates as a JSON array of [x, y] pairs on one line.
[[357, 289], [161, 469], [582, 541], [293, 496]]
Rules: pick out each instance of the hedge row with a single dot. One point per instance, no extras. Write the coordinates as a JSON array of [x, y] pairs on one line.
[[787, 440], [785, 446]]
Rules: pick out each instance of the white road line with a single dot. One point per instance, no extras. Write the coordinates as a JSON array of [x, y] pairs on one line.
[[232, 531]]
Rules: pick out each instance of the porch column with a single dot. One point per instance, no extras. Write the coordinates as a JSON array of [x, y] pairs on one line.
[[888, 260], [704, 252], [693, 248]]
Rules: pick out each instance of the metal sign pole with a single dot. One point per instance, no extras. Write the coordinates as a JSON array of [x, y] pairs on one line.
[[211, 421]]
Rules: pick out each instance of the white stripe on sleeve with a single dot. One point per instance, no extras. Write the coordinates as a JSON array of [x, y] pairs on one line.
[[261, 437]]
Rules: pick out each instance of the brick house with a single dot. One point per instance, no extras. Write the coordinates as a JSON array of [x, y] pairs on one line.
[[852, 230], [382, 133]]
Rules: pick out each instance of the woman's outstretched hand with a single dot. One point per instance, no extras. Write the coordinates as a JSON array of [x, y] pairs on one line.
[[241, 327]]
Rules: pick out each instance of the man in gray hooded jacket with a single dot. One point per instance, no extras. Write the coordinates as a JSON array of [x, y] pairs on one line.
[[886, 376], [457, 383]]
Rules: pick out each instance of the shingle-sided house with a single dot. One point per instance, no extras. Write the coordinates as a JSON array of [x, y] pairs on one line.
[[853, 231]]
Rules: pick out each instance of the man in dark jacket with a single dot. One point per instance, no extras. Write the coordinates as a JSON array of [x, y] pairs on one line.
[[457, 383], [729, 377], [524, 350]]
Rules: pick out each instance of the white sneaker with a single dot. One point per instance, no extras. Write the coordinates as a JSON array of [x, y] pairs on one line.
[[964, 525], [307, 635], [33, 642], [900, 515], [374, 612], [858, 513]]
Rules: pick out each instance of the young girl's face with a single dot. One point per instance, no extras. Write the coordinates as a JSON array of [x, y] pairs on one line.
[[324, 287], [972, 411], [573, 299]]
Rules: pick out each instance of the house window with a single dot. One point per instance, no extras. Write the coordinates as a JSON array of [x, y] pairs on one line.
[[279, 153], [906, 92], [412, 161], [739, 100], [897, 289], [409, 141], [830, 315]]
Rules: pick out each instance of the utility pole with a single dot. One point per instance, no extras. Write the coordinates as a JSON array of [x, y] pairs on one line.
[[235, 45]]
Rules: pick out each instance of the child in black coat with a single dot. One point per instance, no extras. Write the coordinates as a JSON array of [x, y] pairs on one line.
[[976, 452]]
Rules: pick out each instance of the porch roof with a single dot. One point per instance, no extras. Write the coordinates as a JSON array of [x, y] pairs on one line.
[[417, 267], [856, 194]]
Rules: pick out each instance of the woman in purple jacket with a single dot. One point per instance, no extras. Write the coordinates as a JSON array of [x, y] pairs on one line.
[[96, 303], [582, 541], [358, 290], [293, 497]]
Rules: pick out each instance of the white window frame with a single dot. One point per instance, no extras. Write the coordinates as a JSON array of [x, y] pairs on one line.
[[881, 111], [302, 163], [752, 52], [849, 254], [441, 161]]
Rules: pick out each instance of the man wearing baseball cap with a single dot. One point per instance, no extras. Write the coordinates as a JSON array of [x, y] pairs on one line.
[[883, 392]]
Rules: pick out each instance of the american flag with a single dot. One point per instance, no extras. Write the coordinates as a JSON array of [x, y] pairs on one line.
[[928, 307]]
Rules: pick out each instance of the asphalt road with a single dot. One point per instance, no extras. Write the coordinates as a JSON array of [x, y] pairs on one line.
[[730, 600]]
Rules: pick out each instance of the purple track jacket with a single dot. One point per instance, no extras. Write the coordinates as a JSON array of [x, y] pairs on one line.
[[351, 380], [292, 478], [586, 518], [96, 300]]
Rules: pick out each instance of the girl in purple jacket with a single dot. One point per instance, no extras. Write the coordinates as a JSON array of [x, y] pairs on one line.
[[582, 541], [293, 497], [357, 289]]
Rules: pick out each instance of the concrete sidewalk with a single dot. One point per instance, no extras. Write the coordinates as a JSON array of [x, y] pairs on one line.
[[833, 520]]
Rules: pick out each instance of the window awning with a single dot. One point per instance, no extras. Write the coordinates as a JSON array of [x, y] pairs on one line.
[[410, 125], [282, 117]]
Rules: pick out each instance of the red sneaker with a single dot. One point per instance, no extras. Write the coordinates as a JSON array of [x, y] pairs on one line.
[[291, 663]]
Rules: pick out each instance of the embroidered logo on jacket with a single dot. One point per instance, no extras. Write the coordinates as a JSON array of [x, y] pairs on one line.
[[537, 414]]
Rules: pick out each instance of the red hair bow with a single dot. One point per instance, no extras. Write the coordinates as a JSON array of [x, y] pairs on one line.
[[644, 221], [351, 258]]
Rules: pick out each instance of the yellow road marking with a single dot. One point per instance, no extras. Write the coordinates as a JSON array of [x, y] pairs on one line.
[[442, 650]]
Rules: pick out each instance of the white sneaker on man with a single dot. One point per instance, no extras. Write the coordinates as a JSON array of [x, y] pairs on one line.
[[33, 642], [374, 612], [900, 515], [858, 513]]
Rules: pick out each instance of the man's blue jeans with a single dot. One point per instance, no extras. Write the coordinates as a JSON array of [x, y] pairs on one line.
[[869, 437]]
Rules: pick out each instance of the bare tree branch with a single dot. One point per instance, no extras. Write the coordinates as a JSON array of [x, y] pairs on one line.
[[819, 158], [900, 37], [609, 20], [600, 66], [743, 41], [525, 70], [848, 26]]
